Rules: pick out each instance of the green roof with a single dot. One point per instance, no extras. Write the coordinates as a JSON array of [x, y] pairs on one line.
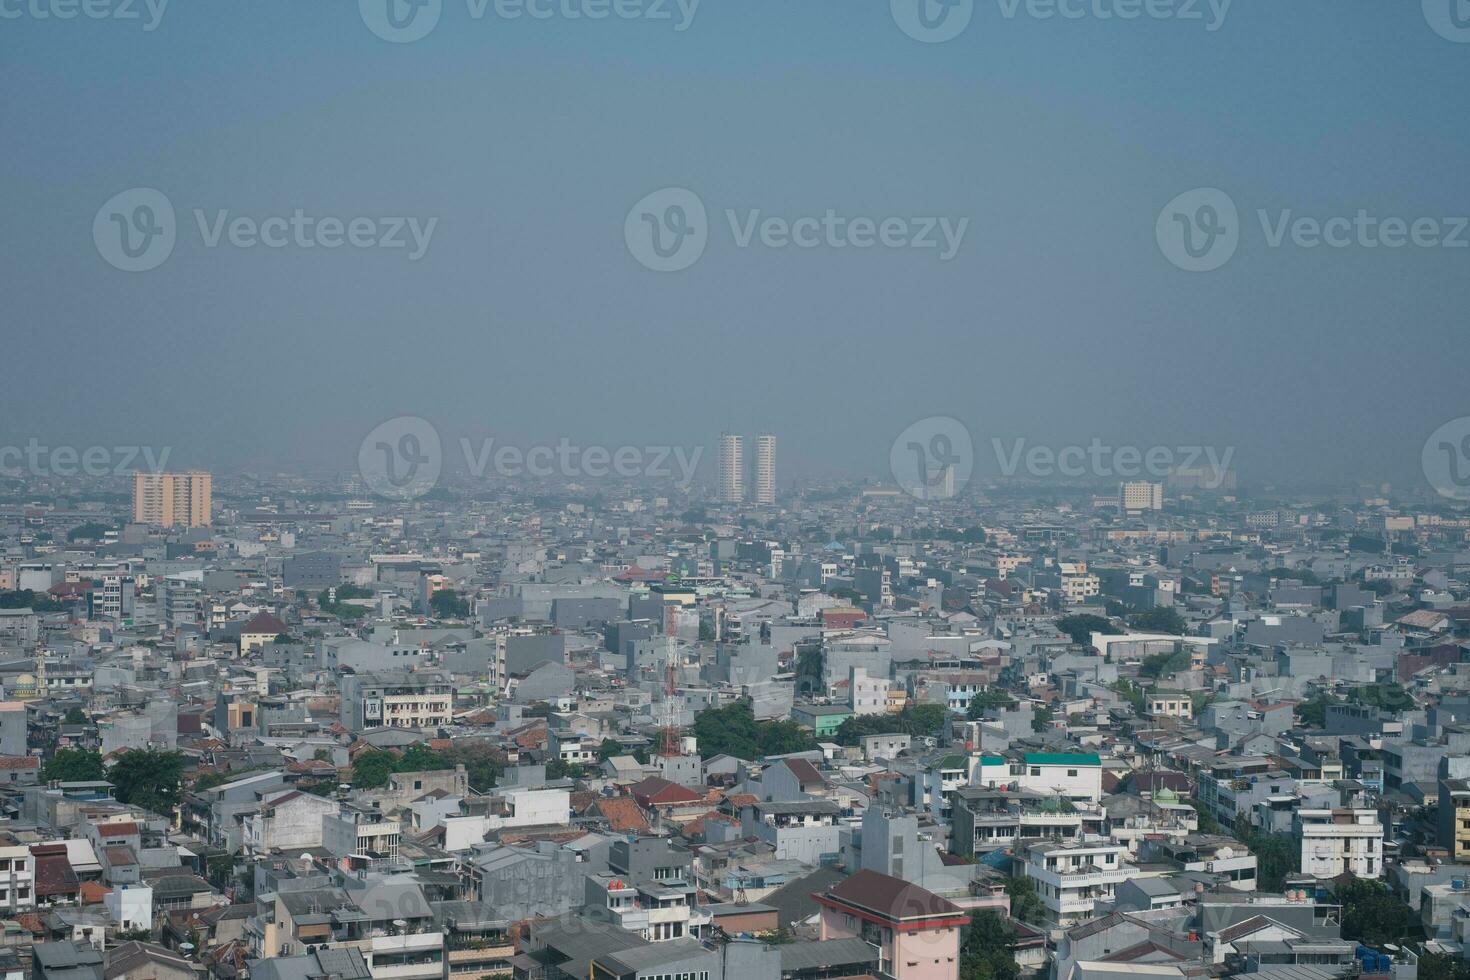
[[1062, 759], [952, 762], [992, 760]]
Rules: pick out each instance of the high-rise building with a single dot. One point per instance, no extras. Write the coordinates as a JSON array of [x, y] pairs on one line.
[[1141, 495], [765, 468], [172, 499], [732, 468]]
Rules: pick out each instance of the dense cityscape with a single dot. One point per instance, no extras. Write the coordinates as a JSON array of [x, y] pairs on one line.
[[920, 728]]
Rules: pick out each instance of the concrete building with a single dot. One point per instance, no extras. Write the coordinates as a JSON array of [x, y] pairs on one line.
[[172, 499], [1340, 841], [1071, 876], [732, 468], [765, 468], [917, 932], [397, 699]]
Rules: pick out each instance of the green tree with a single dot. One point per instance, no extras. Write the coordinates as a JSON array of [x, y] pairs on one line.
[[74, 766], [1373, 915], [372, 767], [779, 936], [1160, 664], [1443, 966], [782, 738], [26, 599], [1081, 626], [91, 531], [1026, 905], [75, 716], [984, 700], [1313, 711], [1277, 855], [1041, 717], [1133, 694], [1160, 619], [1389, 697], [730, 730], [418, 757], [148, 778], [449, 604], [986, 950], [560, 769]]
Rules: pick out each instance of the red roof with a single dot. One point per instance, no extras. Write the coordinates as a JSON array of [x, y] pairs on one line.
[[655, 791], [263, 623], [622, 814], [881, 897], [19, 762]]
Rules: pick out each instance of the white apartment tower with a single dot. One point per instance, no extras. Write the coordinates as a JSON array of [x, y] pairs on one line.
[[732, 468], [1141, 495], [765, 468]]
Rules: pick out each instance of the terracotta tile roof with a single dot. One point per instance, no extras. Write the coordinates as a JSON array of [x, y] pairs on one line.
[[19, 762], [622, 814], [655, 791], [92, 891]]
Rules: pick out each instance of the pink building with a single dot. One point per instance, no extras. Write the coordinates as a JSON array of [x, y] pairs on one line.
[[917, 932]]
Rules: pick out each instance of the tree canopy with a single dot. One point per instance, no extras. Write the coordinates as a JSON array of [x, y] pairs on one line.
[[916, 720], [74, 766], [149, 778], [1081, 626], [1160, 619], [733, 730]]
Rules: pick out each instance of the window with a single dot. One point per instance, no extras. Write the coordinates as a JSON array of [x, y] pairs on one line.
[[1036, 770], [1071, 772]]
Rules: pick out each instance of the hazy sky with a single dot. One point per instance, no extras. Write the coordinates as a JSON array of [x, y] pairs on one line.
[[1058, 318]]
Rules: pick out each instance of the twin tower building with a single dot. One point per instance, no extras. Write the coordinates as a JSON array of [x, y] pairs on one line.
[[732, 468]]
